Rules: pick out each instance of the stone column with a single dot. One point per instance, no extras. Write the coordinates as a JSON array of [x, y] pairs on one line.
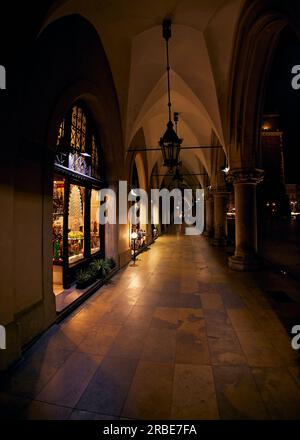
[[220, 217], [245, 182], [149, 221], [209, 214], [112, 231]]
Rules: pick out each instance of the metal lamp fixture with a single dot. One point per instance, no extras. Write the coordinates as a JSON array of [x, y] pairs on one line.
[[134, 237], [178, 176], [169, 143]]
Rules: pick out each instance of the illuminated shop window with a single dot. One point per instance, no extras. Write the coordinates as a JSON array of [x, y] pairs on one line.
[[61, 132], [76, 224], [76, 197], [95, 159], [78, 129], [95, 221], [77, 145], [58, 220]]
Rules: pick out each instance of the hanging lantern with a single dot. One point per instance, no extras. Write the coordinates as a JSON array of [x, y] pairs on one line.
[[169, 143], [170, 146]]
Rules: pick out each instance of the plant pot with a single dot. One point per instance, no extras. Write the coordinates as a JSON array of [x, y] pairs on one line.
[[84, 284]]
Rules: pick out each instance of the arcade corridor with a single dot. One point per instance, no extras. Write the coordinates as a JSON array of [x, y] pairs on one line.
[[180, 336]]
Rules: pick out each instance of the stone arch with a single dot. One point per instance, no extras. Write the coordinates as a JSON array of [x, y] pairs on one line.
[[139, 161], [90, 81], [137, 142], [67, 62], [257, 37], [256, 42]]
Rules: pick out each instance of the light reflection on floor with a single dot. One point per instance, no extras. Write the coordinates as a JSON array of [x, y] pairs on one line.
[[179, 336]]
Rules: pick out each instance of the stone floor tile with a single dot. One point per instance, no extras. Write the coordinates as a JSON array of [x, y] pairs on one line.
[[108, 389], [159, 345], [117, 315], [279, 391], [192, 344], [211, 301], [226, 350], [232, 300], [177, 322], [34, 371], [100, 341], [57, 339], [86, 415], [45, 411], [295, 372], [88, 316], [66, 387], [150, 395], [242, 320], [194, 394], [184, 300], [237, 394], [165, 317], [129, 343], [217, 322], [282, 342], [140, 316], [259, 351], [149, 298]]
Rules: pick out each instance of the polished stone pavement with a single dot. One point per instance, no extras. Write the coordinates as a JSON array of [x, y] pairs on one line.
[[180, 336]]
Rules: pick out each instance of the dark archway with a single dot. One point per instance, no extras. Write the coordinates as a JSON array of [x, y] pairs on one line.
[[280, 191], [257, 38], [66, 63]]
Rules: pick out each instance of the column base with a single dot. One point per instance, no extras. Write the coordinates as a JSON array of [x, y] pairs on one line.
[[244, 264]]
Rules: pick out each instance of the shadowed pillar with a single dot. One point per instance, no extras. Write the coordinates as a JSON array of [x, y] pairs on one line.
[[220, 217], [245, 182], [209, 214]]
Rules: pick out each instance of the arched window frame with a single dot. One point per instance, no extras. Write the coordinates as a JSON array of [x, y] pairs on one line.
[[78, 146]]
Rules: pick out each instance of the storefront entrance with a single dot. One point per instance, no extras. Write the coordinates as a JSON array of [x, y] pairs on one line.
[[77, 235]]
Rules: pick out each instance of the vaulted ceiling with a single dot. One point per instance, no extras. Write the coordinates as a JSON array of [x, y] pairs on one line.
[[201, 48]]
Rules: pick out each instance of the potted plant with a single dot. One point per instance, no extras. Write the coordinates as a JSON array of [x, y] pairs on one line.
[[84, 278], [111, 263], [100, 268]]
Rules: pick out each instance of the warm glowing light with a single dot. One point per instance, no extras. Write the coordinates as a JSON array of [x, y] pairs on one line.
[[266, 126], [134, 236]]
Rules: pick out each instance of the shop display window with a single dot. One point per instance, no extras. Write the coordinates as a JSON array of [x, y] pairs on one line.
[[95, 221], [78, 146], [76, 223], [95, 158], [77, 233], [58, 220]]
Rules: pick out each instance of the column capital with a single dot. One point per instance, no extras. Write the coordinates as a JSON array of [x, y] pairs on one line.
[[245, 175]]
